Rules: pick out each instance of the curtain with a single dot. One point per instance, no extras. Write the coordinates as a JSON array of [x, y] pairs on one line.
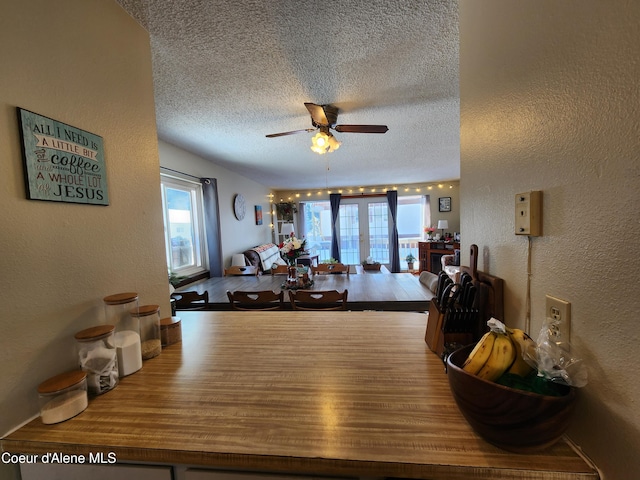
[[426, 209], [334, 199], [301, 227], [212, 225], [394, 247]]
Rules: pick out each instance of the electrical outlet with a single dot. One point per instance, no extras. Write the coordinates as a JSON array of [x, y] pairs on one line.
[[560, 310]]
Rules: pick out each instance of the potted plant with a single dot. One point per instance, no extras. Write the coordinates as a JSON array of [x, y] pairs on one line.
[[410, 259], [370, 264], [286, 211], [330, 260]]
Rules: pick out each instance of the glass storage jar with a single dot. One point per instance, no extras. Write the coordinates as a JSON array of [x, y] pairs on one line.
[[63, 396], [98, 358], [149, 317], [118, 306], [117, 309], [170, 331]]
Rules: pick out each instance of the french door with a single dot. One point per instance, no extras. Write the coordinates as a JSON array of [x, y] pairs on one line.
[[364, 228]]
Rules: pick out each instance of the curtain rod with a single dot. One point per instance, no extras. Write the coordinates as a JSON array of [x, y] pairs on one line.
[[364, 195], [181, 173]]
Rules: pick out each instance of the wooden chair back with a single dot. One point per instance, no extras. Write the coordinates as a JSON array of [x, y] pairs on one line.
[[324, 268], [241, 270], [280, 270], [318, 299], [260, 300], [191, 300]]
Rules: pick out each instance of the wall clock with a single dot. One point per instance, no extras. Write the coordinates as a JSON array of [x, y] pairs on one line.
[[445, 204], [239, 207]]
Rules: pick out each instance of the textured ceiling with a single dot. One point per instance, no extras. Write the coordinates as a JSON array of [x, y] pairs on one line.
[[227, 73]]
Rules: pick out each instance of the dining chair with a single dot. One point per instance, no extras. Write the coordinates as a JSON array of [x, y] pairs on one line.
[[241, 270], [279, 269], [191, 300], [260, 300], [318, 299], [324, 268]]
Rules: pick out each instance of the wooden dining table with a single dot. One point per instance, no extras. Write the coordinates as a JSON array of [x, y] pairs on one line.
[[346, 394], [368, 291]]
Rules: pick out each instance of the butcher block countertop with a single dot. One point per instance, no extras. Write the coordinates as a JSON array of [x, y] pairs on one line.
[[339, 393]]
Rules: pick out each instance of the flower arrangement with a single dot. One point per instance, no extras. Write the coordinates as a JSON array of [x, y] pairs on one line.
[[429, 231], [292, 248]]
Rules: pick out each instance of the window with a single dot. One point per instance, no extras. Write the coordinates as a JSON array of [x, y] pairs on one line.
[[372, 237], [317, 228], [364, 230], [185, 240], [379, 231], [413, 216]]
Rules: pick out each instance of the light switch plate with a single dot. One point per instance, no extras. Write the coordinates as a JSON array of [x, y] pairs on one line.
[[528, 219]]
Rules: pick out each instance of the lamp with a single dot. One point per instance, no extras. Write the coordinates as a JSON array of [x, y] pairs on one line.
[[287, 229], [442, 224], [323, 142]]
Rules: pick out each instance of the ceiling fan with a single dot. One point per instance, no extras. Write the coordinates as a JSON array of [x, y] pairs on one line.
[[324, 118]]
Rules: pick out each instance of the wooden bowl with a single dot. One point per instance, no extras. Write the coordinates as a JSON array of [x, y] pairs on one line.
[[514, 420]]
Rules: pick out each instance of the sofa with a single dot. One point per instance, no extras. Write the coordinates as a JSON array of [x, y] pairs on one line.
[[451, 264], [264, 256]]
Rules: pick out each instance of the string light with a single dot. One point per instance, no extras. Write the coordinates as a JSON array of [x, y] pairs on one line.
[[417, 188]]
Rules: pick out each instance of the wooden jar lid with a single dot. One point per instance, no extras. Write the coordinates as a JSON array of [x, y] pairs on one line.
[[169, 322], [62, 381], [94, 333], [120, 298], [145, 310]]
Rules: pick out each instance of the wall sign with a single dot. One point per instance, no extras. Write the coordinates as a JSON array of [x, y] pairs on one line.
[[444, 204], [62, 163]]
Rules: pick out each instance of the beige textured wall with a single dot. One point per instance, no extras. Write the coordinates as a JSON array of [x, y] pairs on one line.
[[88, 64], [549, 101], [236, 235]]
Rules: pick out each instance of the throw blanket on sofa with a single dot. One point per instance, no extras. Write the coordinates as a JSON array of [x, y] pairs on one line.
[[269, 254]]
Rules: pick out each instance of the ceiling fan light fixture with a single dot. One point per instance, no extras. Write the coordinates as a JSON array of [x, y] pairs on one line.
[[324, 142]]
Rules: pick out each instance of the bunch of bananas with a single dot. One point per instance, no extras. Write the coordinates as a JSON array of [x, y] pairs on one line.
[[499, 351]]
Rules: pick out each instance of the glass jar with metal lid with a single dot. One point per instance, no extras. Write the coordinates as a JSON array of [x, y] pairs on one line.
[[117, 309], [150, 339], [97, 357], [63, 396]]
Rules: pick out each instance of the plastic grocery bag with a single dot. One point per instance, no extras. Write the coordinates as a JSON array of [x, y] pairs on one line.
[[554, 360]]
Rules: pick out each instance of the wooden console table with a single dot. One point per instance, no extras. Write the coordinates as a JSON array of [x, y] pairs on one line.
[[429, 254], [351, 394]]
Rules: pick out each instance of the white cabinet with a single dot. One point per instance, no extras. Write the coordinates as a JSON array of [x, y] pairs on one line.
[[203, 474], [42, 471]]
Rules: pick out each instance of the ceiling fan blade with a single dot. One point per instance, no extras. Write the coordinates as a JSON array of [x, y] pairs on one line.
[[361, 128], [317, 114], [282, 134]]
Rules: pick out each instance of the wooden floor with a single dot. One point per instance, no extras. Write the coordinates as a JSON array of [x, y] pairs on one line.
[[367, 291]]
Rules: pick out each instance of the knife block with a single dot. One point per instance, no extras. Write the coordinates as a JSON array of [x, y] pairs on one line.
[[433, 334], [437, 337]]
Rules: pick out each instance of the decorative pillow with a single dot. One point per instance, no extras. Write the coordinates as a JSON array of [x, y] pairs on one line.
[[456, 257]]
